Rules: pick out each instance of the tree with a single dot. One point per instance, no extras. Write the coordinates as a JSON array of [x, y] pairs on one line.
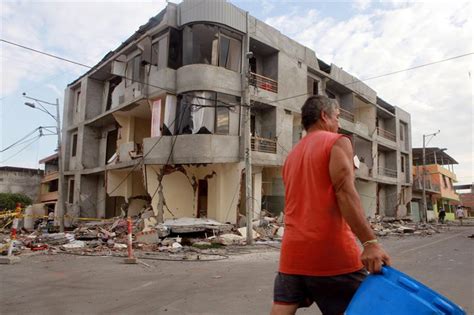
[[8, 201]]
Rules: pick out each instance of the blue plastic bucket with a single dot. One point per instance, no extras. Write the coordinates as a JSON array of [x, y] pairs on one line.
[[394, 293]]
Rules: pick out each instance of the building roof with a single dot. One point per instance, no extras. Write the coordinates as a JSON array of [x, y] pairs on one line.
[[20, 169], [433, 155], [49, 158]]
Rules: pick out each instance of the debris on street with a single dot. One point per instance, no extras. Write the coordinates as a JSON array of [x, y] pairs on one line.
[[182, 236]]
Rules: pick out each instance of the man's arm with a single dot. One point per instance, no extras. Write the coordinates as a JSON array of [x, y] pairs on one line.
[[341, 170]]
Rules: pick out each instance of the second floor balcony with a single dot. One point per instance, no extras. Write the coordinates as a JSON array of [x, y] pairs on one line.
[[264, 145], [418, 184], [386, 134], [264, 83], [388, 172]]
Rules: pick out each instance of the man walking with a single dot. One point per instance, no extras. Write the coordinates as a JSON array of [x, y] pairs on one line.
[[320, 260], [460, 214]]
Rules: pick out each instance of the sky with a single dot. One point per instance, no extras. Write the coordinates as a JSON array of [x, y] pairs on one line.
[[365, 38]]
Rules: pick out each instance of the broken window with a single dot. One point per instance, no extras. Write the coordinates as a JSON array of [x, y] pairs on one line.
[[229, 53], [74, 145], [111, 145], [207, 112], [113, 83], [211, 45], [158, 53]]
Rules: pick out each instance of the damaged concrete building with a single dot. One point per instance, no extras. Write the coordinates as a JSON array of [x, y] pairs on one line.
[[159, 121]]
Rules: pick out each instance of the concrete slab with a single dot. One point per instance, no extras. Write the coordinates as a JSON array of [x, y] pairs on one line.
[[130, 261], [9, 260]]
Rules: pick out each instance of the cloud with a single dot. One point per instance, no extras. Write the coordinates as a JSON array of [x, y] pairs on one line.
[[78, 31], [400, 35]]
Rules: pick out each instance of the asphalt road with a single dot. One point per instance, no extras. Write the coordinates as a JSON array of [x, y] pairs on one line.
[[242, 284]]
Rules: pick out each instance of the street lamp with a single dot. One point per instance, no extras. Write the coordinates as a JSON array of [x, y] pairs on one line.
[[423, 184], [57, 118]]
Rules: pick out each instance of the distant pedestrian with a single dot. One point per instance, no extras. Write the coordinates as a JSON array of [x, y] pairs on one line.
[[441, 215], [460, 214]]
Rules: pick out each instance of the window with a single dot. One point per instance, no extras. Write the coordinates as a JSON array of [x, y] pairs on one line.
[[133, 70], [204, 112], [445, 181], [70, 194], [77, 97], [230, 53], [113, 83], [175, 44], [315, 87], [401, 131], [402, 166], [74, 145], [212, 45], [158, 53]]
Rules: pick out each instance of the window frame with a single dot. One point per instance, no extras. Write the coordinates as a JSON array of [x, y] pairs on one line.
[[74, 138]]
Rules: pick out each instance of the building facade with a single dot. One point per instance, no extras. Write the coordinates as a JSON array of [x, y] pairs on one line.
[[439, 183], [20, 180], [159, 121]]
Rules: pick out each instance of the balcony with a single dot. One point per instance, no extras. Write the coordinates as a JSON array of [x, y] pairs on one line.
[[417, 184], [49, 196], [264, 83], [264, 145], [387, 172], [347, 115], [192, 148], [386, 134]]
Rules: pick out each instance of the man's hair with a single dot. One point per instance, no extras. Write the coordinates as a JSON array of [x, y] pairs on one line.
[[314, 106]]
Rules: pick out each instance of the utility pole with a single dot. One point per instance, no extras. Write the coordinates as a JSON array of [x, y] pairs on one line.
[[61, 200], [247, 135], [424, 217]]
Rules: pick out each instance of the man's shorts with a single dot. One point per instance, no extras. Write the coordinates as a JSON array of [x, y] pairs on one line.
[[332, 294]]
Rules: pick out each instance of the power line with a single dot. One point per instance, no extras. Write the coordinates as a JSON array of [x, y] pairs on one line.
[[22, 149], [45, 53]]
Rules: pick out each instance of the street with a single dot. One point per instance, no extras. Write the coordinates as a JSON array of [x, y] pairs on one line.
[[241, 284]]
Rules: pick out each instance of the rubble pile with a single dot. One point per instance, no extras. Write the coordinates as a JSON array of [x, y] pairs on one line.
[[384, 226], [171, 236]]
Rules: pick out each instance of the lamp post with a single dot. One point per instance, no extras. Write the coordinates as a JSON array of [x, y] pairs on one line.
[[57, 118], [423, 184]]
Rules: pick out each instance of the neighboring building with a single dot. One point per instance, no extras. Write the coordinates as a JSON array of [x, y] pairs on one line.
[[439, 183], [159, 120], [466, 195], [20, 180], [50, 182]]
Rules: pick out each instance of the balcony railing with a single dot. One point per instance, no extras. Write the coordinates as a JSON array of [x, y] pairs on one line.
[[387, 172], [264, 145], [428, 185], [263, 83], [347, 115], [386, 134]]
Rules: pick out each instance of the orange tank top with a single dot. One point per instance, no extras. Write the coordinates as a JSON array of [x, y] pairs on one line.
[[317, 240]]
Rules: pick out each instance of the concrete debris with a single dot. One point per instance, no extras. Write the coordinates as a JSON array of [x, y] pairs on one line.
[[191, 225], [384, 226], [243, 232], [229, 239], [180, 236], [73, 245]]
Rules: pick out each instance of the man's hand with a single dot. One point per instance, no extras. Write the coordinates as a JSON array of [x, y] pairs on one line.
[[374, 257]]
